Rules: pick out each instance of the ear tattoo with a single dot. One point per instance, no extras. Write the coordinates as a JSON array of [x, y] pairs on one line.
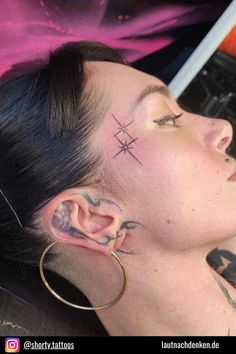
[[97, 202], [62, 221], [125, 146]]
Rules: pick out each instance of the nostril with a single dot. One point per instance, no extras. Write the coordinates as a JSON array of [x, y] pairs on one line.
[[223, 142]]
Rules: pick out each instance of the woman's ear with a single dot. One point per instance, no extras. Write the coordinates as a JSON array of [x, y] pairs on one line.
[[77, 217]]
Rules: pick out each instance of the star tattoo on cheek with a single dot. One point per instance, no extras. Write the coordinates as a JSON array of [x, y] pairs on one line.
[[125, 146], [122, 128]]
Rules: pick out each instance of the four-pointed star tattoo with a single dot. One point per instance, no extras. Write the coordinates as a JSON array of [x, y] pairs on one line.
[[125, 146]]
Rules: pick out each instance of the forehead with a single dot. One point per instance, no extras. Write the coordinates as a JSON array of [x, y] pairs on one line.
[[106, 71], [120, 84]]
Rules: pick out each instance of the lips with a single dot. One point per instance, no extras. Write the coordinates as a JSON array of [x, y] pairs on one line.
[[232, 177]]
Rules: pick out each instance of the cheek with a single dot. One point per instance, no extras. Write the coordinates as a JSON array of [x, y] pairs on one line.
[[178, 163], [178, 199], [165, 176], [167, 160]]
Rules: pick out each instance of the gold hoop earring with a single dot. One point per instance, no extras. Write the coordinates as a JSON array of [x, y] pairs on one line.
[[54, 293]]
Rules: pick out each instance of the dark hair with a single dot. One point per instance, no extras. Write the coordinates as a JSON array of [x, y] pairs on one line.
[[46, 123]]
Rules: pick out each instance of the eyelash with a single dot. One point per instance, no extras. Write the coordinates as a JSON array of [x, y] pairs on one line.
[[167, 118]]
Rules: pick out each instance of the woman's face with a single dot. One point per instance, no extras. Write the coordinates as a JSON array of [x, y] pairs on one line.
[[174, 179]]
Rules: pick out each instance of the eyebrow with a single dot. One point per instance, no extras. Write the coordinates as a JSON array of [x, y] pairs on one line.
[[153, 88]]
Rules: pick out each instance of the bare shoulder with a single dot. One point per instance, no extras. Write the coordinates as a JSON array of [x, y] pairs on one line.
[[223, 260]]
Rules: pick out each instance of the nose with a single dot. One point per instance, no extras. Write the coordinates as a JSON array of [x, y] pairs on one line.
[[220, 134]]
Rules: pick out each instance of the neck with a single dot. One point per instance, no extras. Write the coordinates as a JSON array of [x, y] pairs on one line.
[[168, 293]]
